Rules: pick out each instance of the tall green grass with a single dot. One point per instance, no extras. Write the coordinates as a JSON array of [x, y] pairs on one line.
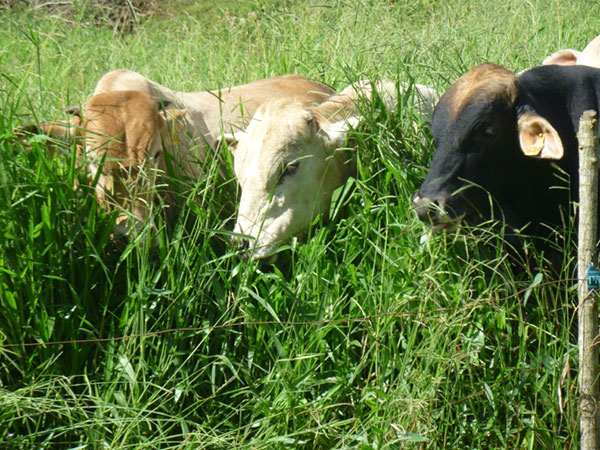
[[374, 333]]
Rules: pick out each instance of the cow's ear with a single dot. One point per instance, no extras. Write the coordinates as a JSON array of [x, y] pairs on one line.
[[73, 110], [336, 132], [170, 124], [173, 115], [231, 139], [56, 130], [61, 131], [538, 138], [172, 118], [566, 57]]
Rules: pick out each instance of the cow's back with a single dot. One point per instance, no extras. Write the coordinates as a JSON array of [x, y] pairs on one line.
[[231, 108], [260, 91]]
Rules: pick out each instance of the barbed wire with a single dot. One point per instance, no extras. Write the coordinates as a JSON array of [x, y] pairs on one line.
[[319, 322]]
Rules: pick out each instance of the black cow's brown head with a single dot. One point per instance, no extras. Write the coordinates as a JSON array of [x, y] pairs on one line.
[[485, 139]]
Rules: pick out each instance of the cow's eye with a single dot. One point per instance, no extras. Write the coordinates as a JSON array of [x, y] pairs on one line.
[[290, 169], [489, 132]]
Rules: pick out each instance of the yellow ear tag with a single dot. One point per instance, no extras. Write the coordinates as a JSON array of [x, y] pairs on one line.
[[174, 134], [537, 147]]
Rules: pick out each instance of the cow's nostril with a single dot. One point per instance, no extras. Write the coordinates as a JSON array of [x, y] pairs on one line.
[[428, 210], [433, 212], [243, 244]]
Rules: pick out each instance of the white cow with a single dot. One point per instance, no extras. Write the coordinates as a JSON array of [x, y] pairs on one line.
[[292, 156], [122, 124], [590, 56]]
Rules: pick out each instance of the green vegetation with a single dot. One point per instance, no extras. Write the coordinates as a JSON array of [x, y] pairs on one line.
[[375, 333]]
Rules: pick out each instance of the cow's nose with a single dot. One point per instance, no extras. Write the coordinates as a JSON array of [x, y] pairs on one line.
[[430, 209], [242, 245]]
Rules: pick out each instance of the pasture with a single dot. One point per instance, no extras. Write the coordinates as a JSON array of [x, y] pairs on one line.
[[374, 333]]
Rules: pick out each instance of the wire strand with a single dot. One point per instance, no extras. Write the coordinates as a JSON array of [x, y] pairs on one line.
[[272, 322]]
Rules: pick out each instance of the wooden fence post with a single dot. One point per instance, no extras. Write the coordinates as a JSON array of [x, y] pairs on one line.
[[588, 308]]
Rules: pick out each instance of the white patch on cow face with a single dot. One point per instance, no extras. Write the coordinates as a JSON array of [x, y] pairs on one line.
[[286, 171]]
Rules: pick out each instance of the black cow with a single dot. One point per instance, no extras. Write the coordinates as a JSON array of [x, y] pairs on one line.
[[509, 138]]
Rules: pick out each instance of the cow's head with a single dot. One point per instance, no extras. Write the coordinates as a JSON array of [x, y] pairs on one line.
[[287, 163], [481, 136], [119, 136], [124, 134]]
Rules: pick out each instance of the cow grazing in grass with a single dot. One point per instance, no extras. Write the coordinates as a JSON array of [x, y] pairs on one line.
[[291, 158], [590, 56], [509, 138], [122, 125]]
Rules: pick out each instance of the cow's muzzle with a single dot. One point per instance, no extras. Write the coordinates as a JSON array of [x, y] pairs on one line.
[[436, 212], [242, 245], [246, 250]]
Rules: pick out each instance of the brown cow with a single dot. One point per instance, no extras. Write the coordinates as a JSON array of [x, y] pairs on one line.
[[123, 136]]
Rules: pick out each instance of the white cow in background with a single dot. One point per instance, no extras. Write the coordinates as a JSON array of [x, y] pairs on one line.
[[292, 157], [590, 56]]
